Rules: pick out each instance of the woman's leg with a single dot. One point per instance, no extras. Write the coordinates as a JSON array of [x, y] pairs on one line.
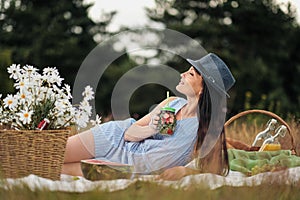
[[73, 169], [77, 150]]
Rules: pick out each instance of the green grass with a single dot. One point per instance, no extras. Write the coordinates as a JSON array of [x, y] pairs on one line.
[[151, 191]]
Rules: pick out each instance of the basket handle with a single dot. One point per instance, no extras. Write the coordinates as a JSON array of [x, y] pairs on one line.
[[273, 115]]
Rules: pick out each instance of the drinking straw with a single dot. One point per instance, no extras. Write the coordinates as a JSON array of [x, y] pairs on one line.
[[167, 98]]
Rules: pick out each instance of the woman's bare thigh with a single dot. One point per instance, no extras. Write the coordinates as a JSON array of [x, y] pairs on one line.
[[76, 150]]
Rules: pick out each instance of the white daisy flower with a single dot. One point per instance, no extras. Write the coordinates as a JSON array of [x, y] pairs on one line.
[[36, 80], [88, 93], [56, 89], [57, 79], [24, 96], [51, 95], [10, 101], [51, 75], [72, 111], [67, 90], [85, 107], [60, 121], [61, 105], [50, 71], [22, 84], [30, 69], [14, 71], [25, 116], [96, 121], [81, 119], [39, 93]]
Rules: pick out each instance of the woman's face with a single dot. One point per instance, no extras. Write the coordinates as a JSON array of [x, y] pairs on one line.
[[191, 83]]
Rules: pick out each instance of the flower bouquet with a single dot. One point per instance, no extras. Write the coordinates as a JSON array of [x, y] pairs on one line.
[[40, 97], [36, 122]]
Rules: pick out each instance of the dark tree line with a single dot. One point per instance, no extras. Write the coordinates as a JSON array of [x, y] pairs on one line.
[[259, 41], [48, 33]]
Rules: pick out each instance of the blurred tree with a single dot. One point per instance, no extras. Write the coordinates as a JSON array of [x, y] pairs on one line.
[[258, 39], [5, 60], [48, 33]]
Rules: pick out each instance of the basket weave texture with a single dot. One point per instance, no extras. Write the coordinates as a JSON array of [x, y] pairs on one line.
[[288, 142], [32, 152]]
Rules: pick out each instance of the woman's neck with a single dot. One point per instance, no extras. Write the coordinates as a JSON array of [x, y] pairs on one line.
[[190, 109]]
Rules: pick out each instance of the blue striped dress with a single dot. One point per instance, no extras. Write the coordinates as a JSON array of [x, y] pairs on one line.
[[152, 154]]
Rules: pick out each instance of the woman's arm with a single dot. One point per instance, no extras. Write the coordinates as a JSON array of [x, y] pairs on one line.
[[141, 129]]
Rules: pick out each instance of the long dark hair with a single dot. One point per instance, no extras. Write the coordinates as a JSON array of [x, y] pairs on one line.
[[216, 161]]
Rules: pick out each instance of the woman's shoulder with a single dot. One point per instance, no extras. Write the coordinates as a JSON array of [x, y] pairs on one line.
[[173, 101]]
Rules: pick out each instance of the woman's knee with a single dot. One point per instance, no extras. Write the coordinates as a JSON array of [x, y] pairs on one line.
[[75, 150]]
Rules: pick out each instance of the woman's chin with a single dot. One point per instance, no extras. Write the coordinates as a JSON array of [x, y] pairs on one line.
[[178, 88]]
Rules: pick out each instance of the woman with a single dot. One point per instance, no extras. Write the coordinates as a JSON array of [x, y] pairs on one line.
[[138, 143]]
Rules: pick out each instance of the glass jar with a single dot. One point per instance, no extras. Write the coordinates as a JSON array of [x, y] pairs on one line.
[[167, 121]]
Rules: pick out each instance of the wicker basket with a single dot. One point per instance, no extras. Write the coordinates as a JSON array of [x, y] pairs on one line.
[[32, 152], [287, 142]]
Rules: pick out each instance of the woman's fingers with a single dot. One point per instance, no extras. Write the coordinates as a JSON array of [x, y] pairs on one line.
[[154, 119]]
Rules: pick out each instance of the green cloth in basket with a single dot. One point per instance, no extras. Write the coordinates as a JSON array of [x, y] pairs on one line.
[[253, 162]]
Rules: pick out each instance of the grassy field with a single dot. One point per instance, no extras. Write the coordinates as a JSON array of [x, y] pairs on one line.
[[245, 130], [145, 190]]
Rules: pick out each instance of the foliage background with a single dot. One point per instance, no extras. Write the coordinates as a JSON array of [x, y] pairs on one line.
[[257, 39]]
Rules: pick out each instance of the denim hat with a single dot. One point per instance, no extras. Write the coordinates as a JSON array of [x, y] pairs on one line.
[[214, 72]]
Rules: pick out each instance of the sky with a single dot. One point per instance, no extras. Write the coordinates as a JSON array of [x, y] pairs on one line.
[[131, 13]]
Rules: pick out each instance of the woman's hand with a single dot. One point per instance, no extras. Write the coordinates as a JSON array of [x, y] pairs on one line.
[[154, 119], [174, 173], [147, 125], [136, 132]]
